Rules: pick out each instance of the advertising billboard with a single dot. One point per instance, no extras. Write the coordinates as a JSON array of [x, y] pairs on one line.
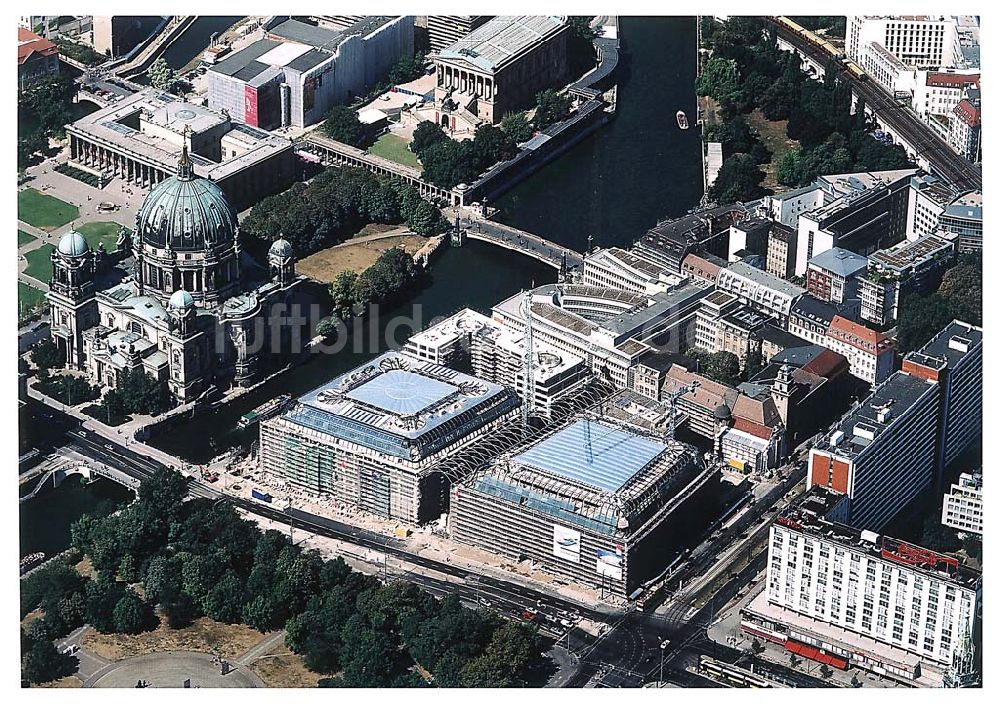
[[250, 106], [566, 543], [609, 563]]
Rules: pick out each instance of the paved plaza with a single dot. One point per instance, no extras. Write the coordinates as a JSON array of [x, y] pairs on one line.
[[171, 670]]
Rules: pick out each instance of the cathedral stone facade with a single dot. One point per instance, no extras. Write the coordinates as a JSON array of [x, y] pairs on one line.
[[195, 312]]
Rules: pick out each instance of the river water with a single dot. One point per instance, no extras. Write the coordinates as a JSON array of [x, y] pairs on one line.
[[615, 185], [47, 517], [193, 42]]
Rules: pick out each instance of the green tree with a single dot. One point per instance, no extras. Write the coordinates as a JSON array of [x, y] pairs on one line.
[[920, 318], [342, 124], [161, 76], [163, 578], [492, 145], [550, 108], [49, 102], [140, 393], [132, 616], [962, 288], [102, 597], [581, 56], [370, 657], [426, 133], [719, 79], [44, 663], [424, 219], [29, 145], [225, 599], [517, 126], [259, 613], [739, 179], [788, 168], [344, 293], [448, 163], [46, 354], [408, 68]]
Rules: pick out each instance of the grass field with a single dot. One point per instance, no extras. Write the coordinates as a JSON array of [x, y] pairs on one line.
[[28, 299], [395, 148], [44, 211], [40, 263], [23, 238], [204, 635], [772, 134], [100, 232]]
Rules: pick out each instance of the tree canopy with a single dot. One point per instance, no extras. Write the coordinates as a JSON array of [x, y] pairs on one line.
[[342, 124], [336, 203], [199, 557], [748, 71], [550, 108]]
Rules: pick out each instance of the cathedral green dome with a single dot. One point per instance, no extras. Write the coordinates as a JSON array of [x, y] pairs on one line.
[[186, 212]]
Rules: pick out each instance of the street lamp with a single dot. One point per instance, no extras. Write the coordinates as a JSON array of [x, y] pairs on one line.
[[663, 650]]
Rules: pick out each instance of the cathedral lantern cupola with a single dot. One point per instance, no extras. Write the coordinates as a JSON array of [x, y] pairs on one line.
[[281, 261], [182, 311]]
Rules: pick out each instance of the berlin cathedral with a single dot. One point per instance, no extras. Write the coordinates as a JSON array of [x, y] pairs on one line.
[[194, 310]]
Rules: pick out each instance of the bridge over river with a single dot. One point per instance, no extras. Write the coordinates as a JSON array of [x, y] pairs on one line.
[[535, 246]]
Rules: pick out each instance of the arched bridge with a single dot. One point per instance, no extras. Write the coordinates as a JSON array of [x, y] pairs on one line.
[[552, 254]]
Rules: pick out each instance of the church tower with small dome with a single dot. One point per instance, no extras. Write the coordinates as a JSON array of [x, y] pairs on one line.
[[71, 295]]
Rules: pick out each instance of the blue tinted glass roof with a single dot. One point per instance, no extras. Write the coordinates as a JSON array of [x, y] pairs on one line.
[[593, 454], [401, 392]]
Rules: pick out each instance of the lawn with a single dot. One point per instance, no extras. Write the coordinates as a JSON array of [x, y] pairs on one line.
[[395, 148], [772, 134], [100, 232], [23, 238], [44, 211], [40, 263], [28, 299]]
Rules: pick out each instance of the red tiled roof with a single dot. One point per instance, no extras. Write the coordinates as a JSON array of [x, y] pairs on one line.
[[700, 266], [859, 336], [947, 80], [827, 364], [29, 43], [969, 113]]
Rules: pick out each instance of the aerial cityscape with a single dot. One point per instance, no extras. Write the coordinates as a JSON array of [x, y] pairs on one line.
[[500, 351]]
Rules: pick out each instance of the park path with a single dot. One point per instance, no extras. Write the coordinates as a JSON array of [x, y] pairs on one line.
[[261, 649]]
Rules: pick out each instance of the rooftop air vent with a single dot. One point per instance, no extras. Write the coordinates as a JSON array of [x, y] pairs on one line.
[[959, 343]]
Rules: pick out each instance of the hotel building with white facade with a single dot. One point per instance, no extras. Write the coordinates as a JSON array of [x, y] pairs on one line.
[[853, 598]]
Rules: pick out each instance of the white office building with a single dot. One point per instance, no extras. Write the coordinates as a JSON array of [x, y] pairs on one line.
[[854, 598], [963, 506]]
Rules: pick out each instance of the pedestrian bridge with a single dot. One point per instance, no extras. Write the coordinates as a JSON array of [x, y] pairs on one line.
[[534, 246]]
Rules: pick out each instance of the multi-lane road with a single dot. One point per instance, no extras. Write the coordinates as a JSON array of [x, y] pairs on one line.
[[944, 161]]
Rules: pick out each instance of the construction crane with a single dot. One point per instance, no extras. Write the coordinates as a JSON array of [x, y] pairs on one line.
[[528, 366], [670, 404]]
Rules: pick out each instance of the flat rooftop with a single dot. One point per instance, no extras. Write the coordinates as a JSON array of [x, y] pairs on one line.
[[502, 40], [950, 345], [764, 278], [593, 454], [395, 393], [402, 392], [107, 127], [890, 401], [907, 254], [809, 517], [839, 261]]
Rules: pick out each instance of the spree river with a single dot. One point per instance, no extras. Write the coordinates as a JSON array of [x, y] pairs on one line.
[[615, 185]]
